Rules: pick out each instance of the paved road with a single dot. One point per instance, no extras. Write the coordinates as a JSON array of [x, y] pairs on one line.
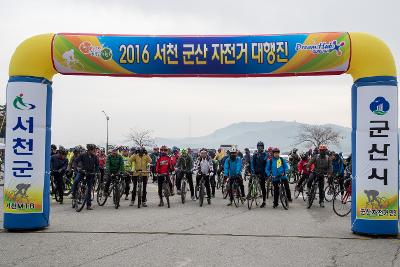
[[187, 235]]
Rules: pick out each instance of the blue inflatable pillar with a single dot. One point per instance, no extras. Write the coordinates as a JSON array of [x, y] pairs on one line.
[[375, 156], [27, 161]]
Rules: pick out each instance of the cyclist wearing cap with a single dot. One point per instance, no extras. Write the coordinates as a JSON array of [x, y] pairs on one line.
[[58, 166], [140, 163], [322, 166], [114, 165], [163, 168], [258, 164], [184, 167], [277, 168], [88, 164], [232, 170]]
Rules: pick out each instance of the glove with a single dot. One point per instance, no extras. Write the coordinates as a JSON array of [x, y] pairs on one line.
[[211, 173]]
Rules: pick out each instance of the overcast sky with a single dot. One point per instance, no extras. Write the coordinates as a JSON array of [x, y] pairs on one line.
[[165, 105]]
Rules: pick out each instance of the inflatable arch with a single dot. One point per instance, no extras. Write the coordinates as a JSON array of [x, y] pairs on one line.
[[366, 58]]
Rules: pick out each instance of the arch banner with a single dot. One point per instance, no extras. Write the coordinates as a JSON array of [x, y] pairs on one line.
[[258, 55]]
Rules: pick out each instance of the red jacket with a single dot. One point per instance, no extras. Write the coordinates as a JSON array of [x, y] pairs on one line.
[[302, 167], [174, 159], [163, 165]]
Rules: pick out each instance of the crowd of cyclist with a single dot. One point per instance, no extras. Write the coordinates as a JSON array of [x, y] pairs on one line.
[[173, 164]]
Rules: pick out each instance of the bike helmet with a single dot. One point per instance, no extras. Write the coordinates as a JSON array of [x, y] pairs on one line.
[[323, 148], [164, 148], [275, 149], [260, 143], [90, 147], [53, 147], [294, 150], [62, 151], [233, 150], [246, 150], [304, 156], [269, 148]]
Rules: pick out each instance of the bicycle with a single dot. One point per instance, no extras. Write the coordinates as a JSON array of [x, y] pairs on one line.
[[173, 180], [116, 187], [53, 188], [139, 189], [332, 188], [313, 190], [235, 191], [268, 187], [293, 175], [282, 194], [225, 187], [200, 190], [300, 190], [254, 191], [82, 192], [166, 189], [184, 186], [342, 204]]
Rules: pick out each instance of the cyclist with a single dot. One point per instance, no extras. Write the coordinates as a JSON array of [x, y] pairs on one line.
[[127, 171], [294, 158], [232, 170], [154, 156], [270, 153], [88, 164], [303, 170], [174, 159], [53, 150], [184, 167], [246, 160], [204, 167], [322, 166], [140, 161], [163, 168], [277, 168], [338, 170], [102, 164], [114, 166], [58, 166], [258, 164], [212, 177]]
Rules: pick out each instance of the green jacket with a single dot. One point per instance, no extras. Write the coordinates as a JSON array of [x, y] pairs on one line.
[[114, 164]]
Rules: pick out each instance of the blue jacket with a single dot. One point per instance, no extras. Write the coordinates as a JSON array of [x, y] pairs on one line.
[[258, 163], [278, 172], [233, 168], [338, 166]]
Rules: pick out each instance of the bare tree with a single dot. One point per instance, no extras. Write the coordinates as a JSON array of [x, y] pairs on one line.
[[140, 137], [2, 120], [317, 135]]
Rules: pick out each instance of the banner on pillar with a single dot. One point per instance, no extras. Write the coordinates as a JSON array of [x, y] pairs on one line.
[[25, 147], [377, 153]]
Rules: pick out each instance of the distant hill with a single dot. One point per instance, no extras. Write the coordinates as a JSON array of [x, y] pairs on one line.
[[246, 134]]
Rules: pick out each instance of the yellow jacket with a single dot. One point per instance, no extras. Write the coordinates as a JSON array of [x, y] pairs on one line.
[[219, 156], [139, 164]]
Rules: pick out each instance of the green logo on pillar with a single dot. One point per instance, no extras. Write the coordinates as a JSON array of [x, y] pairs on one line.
[[20, 104], [106, 53]]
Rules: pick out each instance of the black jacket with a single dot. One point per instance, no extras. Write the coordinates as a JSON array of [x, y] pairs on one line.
[[88, 162]]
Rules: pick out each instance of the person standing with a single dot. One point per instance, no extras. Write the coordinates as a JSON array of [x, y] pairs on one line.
[[140, 163]]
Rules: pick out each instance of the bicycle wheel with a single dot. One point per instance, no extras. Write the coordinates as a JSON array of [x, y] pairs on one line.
[[250, 198], [311, 196], [201, 194], [166, 192], [80, 198], [196, 191], [139, 194], [283, 197], [67, 186], [330, 192], [116, 196], [218, 185], [342, 204], [297, 192], [225, 189], [183, 191], [101, 197]]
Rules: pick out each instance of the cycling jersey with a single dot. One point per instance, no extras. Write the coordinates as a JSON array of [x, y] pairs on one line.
[[115, 163], [277, 168], [258, 163], [127, 164], [163, 165], [233, 168], [303, 169]]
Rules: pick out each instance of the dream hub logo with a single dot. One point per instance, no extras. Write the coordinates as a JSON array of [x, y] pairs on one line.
[[380, 106], [19, 103], [322, 47]]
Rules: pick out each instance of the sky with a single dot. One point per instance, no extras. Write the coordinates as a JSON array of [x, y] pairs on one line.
[[180, 107]]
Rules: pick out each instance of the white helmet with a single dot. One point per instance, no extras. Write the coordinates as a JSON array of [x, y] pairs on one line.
[[233, 150]]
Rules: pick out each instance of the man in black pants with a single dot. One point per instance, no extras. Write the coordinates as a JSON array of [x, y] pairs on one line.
[[58, 166], [258, 163], [184, 166], [205, 169], [322, 166]]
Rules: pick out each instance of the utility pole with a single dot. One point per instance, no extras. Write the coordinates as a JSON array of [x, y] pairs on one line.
[[107, 119]]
